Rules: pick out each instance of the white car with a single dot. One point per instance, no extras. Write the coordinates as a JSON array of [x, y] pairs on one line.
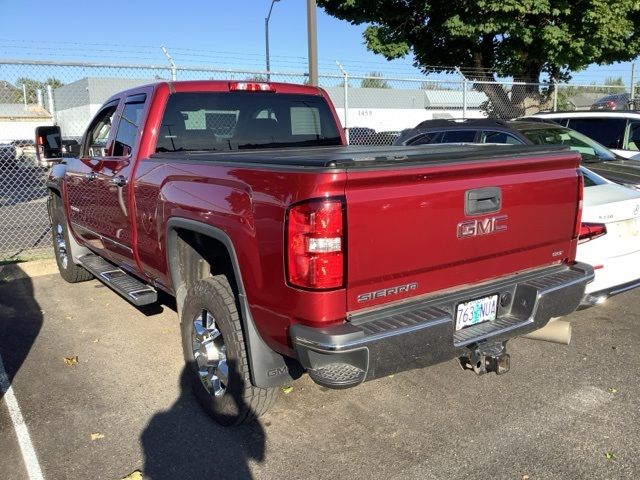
[[609, 237], [619, 131]]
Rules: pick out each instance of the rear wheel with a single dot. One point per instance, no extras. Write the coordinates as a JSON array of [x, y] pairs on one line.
[[216, 355], [71, 272]]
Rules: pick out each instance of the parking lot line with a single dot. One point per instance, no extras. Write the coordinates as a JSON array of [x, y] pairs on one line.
[[24, 440]]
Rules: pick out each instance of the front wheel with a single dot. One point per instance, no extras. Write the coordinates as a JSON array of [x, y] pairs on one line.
[[71, 272], [216, 356]]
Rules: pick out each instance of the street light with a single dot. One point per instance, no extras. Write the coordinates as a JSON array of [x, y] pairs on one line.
[[266, 36]]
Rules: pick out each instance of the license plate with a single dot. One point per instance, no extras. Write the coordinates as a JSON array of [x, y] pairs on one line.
[[476, 311], [630, 228]]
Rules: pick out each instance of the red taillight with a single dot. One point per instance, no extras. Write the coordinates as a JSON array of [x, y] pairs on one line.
[[611, 104], [576, 226], [251, 87], [589, 231], [315, 244]]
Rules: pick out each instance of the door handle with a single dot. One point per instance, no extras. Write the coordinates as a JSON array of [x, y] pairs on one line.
[[90, 176], [119, 181]]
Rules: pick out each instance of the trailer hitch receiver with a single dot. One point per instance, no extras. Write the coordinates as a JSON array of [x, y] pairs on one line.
[[487, 358]]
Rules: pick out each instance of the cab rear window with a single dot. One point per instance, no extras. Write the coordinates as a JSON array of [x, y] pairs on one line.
[[219, 121]]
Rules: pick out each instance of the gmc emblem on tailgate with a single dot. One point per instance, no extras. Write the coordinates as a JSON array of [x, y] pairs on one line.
[[484, 226]]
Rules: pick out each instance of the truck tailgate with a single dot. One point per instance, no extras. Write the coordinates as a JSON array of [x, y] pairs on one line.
[[430, 226]]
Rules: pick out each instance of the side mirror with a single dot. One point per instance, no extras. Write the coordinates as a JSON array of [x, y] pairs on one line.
[[48, 144]]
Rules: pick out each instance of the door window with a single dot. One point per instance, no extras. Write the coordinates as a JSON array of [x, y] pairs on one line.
[[128, 126], [459, 136], [96, 142], [493, 136], [633, 136], [606, 131], [431, 137]]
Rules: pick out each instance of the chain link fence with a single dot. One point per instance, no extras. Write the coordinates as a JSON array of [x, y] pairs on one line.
[[373, 110]]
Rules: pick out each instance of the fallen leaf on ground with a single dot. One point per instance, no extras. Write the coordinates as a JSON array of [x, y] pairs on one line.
[[287, 390], [390, 376], [70, 361], [96, 436], [95, 340], [609, 455], [137, 475], [612, 390], [525, 477]]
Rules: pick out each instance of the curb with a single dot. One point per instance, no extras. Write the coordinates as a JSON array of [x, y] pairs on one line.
[[22, 270]]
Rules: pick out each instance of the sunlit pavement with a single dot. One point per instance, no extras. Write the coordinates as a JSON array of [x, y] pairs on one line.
[[562, 412]]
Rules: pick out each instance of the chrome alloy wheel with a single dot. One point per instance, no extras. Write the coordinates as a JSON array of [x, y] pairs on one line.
[[61, 245], [210, 354]]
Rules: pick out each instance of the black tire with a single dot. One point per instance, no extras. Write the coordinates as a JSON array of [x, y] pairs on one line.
[[241, 402], [71, 272]]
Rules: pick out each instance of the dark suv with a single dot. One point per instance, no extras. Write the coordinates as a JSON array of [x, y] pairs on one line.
[[518, 132]]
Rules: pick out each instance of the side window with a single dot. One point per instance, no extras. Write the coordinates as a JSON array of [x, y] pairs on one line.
[[606, 131], [459, 136], [128, 126], [98, 135], [431, 137], [632, 137], [492, 136]]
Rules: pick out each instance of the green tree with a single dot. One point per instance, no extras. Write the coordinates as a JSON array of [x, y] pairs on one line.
[[32, 86], [374, 80], [516, 38], [613, 81]]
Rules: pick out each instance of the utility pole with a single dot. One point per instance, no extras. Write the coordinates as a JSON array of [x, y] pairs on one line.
[[312, 35], [266, 39]]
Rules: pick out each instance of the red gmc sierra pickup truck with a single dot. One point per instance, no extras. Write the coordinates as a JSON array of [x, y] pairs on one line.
[[289, 252]]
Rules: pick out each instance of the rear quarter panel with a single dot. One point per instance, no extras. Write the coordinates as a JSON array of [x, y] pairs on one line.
[[249, 204]]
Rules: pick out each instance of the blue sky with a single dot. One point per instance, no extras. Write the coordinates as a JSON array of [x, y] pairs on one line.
[[213, 33]]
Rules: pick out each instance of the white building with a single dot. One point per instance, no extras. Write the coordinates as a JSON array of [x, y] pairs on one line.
[[76, 103], [392, 109], [19, 122]]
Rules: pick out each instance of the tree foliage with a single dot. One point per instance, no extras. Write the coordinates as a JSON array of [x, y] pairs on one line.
[[374, 80], [516, 38], [32, 86]]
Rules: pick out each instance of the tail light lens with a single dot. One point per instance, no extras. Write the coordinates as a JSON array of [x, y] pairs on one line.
[[577, 226], [589, 231], [315, 244]]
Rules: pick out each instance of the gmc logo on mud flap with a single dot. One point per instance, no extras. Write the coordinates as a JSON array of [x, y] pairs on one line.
[[484, 226], [276, 372]]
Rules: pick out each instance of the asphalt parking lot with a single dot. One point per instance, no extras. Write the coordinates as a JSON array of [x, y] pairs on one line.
[[563, 412]]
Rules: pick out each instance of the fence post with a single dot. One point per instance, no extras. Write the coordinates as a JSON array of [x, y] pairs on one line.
[[172, 64], [52, 108], [464, 93], [555, 95], [346, 100]]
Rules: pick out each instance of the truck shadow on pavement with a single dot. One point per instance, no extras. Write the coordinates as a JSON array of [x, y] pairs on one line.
[[20, 321], [185, 443]]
